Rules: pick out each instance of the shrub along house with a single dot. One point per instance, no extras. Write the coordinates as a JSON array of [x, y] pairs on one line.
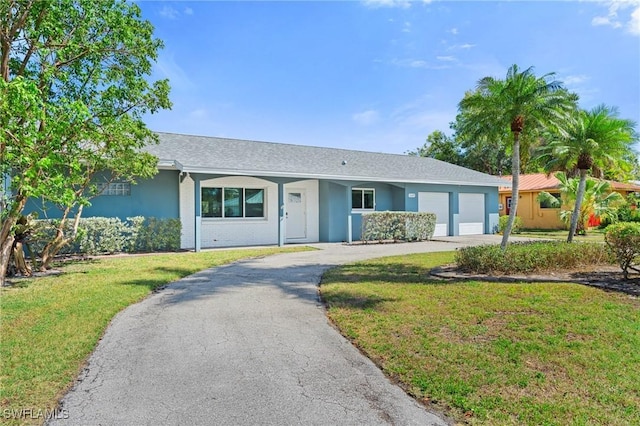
[[230, 192]]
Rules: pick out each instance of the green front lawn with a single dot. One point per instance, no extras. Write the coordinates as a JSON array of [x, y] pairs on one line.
[[50, 325], [494, 353]]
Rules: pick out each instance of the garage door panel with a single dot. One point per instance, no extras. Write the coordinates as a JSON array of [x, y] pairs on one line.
[[471, 214], [438, 203]]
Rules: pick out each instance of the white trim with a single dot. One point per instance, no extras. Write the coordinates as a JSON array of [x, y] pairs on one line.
[[363, 209], [263, 173]]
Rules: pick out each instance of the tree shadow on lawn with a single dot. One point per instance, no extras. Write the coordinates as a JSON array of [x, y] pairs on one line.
[[381, 273], [347, 299]]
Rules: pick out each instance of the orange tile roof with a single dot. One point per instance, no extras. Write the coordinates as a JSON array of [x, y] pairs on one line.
[[625, 186], [533, 182], [540, 182]]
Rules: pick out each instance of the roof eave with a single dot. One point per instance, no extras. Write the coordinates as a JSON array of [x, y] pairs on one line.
[[234, 172]]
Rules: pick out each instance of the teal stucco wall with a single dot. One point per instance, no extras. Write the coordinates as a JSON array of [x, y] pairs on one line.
[[335, 205], [156, 197]]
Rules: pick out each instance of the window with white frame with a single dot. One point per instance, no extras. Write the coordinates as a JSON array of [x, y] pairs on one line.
[[223, 202], [114, 188], [363, 199]]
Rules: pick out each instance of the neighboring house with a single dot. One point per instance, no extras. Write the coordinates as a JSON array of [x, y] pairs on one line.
[[536, 215], [230, 192]]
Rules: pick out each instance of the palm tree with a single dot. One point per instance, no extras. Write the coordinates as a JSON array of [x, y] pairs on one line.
[[595, 141], [598, 199], [520, 103]]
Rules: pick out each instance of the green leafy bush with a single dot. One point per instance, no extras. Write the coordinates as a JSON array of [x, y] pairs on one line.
[[623, 241], [156, 234], [527, 257], [408, 226], [99, 235], [517, 224]]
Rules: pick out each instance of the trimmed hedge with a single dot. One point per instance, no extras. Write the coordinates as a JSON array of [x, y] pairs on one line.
[[100, 235], [407, 226], [623, 241], [530, 256]]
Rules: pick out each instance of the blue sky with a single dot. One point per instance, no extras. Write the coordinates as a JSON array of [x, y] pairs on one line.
[[377, 75]]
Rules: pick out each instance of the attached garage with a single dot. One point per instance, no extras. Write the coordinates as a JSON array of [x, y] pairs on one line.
[[471, 214], [438, 203]]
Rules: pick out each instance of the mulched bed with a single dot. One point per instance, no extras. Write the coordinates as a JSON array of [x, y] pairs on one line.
[[608, 278]]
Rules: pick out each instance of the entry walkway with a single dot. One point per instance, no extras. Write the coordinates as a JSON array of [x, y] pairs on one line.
[[244, 344]]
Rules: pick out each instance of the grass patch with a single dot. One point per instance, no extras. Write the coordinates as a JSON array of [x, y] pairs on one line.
[[494, 353], [51, 324], [594, 235], [531, 256]]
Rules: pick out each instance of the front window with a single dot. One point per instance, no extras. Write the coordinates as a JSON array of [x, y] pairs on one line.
[[232, 202], [254, 202], [363, 199], [212, 202]]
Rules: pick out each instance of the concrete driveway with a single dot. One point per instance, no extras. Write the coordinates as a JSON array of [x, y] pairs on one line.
[[243, 344]]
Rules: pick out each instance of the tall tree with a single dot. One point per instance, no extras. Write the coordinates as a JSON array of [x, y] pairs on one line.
[[441, 147], [73, 89], [520, 103], [487, 157], [595, 141]]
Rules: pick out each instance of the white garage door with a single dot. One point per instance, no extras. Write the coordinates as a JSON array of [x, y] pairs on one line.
[[438, 203], [471, 219]]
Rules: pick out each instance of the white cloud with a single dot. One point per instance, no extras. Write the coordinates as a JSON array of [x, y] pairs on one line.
[[417, 63], [454, 31], [168, 12], [605, 20], [407, 27], [618, 16], [375, 4], [634, 23], [446, 58], [573, 80], [465, 46], [366, 118]]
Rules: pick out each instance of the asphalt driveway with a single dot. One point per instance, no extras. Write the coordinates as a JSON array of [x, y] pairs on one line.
[[243, 344]]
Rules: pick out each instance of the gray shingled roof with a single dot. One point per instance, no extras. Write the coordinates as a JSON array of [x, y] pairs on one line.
[[203, 154]]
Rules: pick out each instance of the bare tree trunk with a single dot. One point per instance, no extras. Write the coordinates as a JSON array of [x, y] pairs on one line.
[[582, 184], [60, 240], [6, 235], [19, 259], [5, 256], [515, 183]]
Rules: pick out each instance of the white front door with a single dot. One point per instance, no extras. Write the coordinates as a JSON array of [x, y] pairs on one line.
[[296, 214]]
